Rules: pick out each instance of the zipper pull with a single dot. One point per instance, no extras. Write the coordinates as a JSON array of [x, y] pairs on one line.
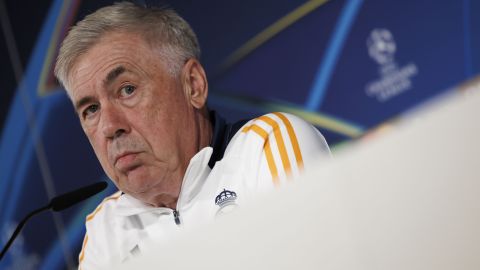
[[176, 216]]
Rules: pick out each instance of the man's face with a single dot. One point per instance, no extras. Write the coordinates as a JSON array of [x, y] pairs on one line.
[[139, 119]]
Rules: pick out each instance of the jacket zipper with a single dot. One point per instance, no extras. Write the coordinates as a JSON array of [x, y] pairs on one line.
[[176, 216]]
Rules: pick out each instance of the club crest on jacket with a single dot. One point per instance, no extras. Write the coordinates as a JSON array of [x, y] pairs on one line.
[[226, 201]]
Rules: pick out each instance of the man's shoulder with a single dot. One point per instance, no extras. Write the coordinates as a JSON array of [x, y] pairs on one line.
[[104, 209], [274, 120], [97, 245], [279, 127], [276, 145]]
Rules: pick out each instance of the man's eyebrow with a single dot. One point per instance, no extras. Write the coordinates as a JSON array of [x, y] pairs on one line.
[[113, 74], [82, 102]]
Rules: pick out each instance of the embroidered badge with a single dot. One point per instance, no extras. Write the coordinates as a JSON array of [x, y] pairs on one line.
[[226, 201]]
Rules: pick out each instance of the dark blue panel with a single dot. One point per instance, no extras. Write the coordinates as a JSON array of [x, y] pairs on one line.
[[283, 67]]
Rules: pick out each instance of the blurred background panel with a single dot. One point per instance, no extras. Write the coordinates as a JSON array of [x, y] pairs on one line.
[[349, 67]]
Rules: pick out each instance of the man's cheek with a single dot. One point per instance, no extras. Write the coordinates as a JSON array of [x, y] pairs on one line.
[[109, 170], [102, 156]]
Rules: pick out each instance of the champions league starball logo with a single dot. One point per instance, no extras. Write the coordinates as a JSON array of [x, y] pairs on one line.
[[381, 46], [393, 80]]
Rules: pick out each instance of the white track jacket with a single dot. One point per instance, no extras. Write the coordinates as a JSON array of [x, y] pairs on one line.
[[266, 152]]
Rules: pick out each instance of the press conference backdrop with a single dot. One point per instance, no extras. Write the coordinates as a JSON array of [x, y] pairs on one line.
[[349, 67]]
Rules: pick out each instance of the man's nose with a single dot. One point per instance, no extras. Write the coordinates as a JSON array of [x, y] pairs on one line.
[[113, 121]]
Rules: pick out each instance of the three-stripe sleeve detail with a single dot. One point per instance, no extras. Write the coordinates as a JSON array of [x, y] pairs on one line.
[[283, 141], [266, 147], [280, 143], [293, 138]]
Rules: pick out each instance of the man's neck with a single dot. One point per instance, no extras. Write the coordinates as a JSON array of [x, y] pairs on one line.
[[205, 130]]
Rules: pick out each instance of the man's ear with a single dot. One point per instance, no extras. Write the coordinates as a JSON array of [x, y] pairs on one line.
[[195, 83]]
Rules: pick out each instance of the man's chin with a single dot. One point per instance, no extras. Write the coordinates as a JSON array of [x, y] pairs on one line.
[[148, 186], [138, 181]]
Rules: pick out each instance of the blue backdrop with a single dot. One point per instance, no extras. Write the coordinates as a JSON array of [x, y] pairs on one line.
[[347, 66]]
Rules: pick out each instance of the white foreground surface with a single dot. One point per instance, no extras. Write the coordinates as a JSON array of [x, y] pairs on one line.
[[407, 200]]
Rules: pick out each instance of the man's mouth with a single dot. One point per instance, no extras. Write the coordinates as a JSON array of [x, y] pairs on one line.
[[127, 162]]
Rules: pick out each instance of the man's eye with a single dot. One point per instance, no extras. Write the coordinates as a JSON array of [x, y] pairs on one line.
[[127, 90], [90, 110]]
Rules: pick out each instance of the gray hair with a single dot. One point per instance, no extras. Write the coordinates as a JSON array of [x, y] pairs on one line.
[[162, 28]]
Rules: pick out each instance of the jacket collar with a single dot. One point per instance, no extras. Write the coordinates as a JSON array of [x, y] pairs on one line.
[[193, 180], [219, 142]]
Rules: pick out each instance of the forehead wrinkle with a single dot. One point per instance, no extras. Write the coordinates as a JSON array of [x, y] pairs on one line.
[[120, 61]]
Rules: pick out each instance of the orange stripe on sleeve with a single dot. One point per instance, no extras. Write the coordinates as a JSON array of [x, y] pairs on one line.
[[82, 253], [113, 197], [293, 138], [280, 143], [90, 217], [267, 149]]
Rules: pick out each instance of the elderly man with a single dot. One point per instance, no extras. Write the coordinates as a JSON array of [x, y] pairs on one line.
[[135, 80]]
